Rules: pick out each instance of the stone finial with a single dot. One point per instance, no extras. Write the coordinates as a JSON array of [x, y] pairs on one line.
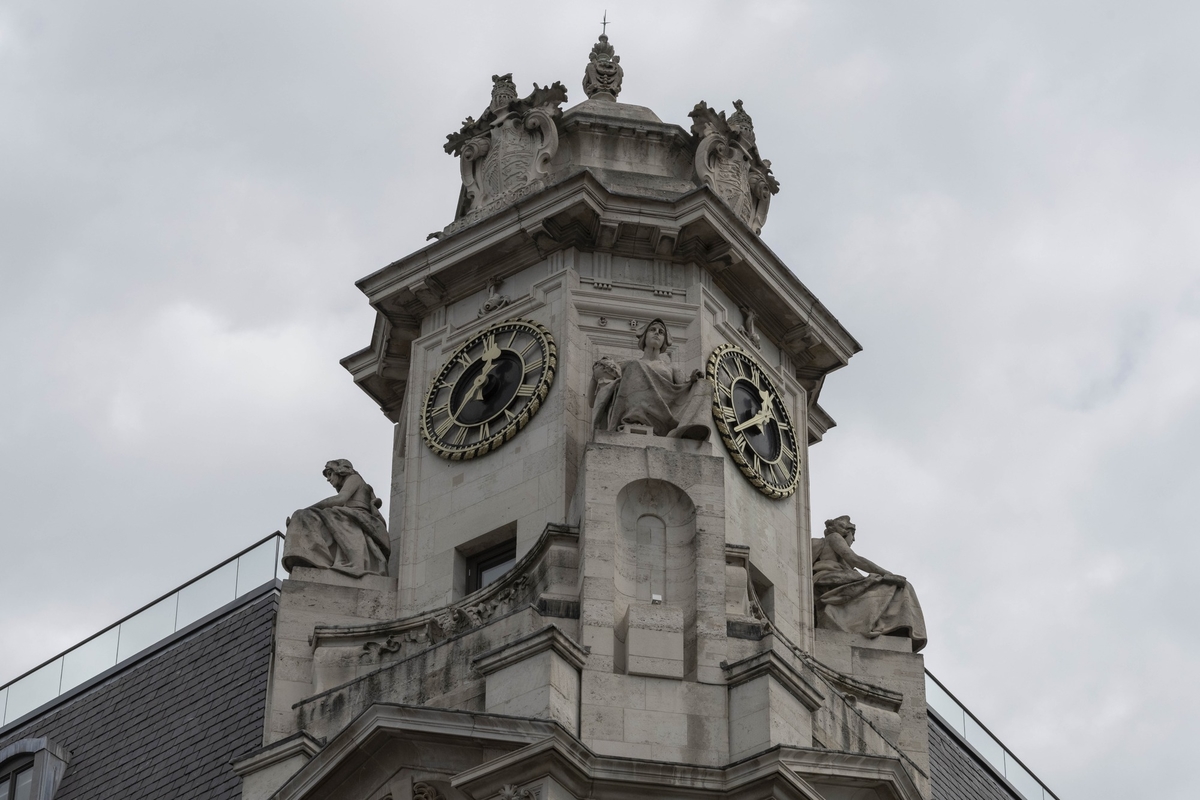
[[727, 161], [603, 74]]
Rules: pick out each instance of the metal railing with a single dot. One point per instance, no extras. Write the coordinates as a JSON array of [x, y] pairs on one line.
[[194, 600], [973, 732]]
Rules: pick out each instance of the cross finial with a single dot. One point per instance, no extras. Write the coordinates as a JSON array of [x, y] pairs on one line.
[[604, 23]]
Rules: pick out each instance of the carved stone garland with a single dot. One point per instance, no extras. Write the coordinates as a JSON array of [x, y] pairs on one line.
[[505, 154], [449, 621], [727, 162]]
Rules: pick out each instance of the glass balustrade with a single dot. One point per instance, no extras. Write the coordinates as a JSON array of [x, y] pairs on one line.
[[972, 731], [191, 602]]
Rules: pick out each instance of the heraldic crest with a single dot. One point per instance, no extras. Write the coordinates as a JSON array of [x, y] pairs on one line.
[[505, 154]]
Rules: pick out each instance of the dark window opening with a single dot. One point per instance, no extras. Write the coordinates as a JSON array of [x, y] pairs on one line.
[[16, 779], [489, 566]]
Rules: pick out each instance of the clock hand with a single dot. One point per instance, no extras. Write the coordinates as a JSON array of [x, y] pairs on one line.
[[765, 414], [490, 354]]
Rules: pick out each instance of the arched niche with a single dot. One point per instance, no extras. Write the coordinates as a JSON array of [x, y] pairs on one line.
[[655, 579]]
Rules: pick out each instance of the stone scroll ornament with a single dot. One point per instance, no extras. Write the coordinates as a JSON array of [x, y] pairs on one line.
[[603, 74], [727, 162], [505, 154]]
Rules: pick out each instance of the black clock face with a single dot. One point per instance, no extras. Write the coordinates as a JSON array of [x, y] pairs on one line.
[[754, 422], [489, 389]]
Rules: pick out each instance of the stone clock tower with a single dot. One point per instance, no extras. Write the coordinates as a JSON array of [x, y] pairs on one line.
[[599, 560]]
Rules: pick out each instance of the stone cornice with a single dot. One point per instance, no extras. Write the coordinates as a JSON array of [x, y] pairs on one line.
[[548, 638], [299, 744], [770, 663]]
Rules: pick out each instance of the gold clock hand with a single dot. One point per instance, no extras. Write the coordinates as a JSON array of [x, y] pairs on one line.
[[490, 354]]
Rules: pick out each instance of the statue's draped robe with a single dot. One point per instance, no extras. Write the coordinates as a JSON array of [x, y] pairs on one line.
[[849, 601], [651, 394], [347, 539]]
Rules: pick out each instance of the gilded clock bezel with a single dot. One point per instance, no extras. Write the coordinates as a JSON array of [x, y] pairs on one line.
[[438, 443], [755, 477]]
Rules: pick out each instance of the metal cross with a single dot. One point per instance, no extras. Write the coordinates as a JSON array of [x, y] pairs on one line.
[[604, 23]]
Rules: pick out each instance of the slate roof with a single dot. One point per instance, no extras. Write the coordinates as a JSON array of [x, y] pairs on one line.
[[957, 774], [169, 726]]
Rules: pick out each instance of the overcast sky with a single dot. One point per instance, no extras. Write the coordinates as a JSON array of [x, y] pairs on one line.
[[998, 200]]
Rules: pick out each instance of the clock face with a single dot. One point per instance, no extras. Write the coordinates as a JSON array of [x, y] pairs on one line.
[[754, 422], [489, 389]]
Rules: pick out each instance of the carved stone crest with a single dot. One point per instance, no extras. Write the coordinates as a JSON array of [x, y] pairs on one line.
[[603, 73], [505, 154], [727, 162]]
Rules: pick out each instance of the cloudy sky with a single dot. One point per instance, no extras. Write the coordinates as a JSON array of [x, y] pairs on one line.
[[998, 200]]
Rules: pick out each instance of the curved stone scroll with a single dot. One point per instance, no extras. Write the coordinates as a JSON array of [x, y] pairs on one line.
[[505, 154], [727, 161]]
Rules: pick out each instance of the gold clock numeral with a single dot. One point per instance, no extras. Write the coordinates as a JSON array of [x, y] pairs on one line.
[[509, 416], [726, 391], [512, 339], [533, 366], [527, 346], [787, 451], [526, 390], [460, 436], [444, 426], [729, 414], [484, 431], [464, 358]]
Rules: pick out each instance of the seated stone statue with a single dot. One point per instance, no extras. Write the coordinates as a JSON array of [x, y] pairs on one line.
[[650, 392], [879, 603], [345, 533]]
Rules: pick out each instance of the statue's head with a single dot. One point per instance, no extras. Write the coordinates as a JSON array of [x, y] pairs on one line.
[[841, 525], [666, 334], [339, 466], [504, 91]]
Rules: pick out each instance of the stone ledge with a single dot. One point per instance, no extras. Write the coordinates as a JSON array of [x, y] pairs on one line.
[[298, 744], [769, 663], [548, 638]]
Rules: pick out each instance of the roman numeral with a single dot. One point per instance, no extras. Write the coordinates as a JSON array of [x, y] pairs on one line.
[[729, 414], [444, 426], [461, 436], [512, 339], [464, 359], [528, 345], [532, 366], [787, 451], [509, 416], [526, 390], [485, 431]]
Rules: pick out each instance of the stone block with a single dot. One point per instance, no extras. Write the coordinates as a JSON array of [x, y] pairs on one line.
[[654, 643]]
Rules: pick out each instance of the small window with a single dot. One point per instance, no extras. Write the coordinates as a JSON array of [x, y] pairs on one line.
[[16, 779], [489, 566]]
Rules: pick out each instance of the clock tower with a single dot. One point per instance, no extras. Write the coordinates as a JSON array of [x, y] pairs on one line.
[[604, 386]]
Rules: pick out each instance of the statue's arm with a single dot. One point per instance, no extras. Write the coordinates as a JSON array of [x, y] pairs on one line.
[[353, 484], [836, 543]]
